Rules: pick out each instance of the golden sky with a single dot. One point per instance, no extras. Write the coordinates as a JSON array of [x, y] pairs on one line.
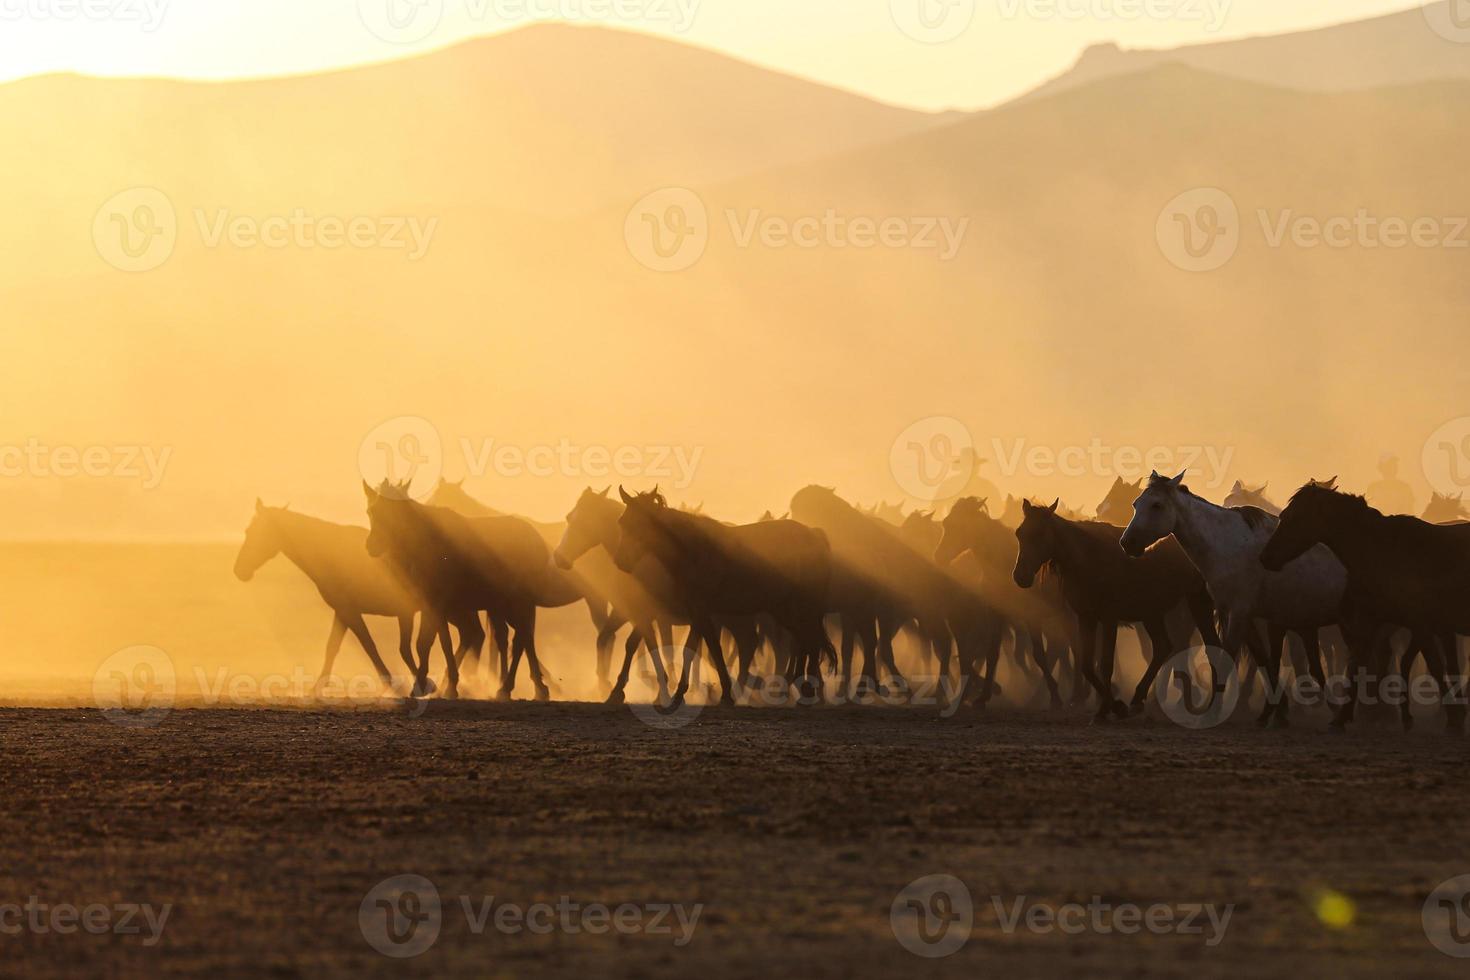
[[998, 47]]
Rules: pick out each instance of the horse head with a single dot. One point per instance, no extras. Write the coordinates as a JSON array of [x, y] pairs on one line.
[[1037, 536], [1308, 519], [642, 527], [1155, 514], [593, 520], [262, 542]]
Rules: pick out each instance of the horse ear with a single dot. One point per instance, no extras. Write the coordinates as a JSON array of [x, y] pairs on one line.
[[606, 490], [984, 505], [1026, 507], [1238, 487], [1138, 485], [1055, 504], [1332, 483], [1155, 475], [624, 494], [368, 491], [259, 507], [1178, 481], [1264, 486]]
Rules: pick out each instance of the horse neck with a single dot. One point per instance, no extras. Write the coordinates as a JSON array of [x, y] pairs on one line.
[[312, 545], [1202, 529], [1354, 538], [1074, 551]]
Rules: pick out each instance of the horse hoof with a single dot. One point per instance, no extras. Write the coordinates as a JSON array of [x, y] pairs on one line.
[[674, 703], [543, 693], [615, 697], [1135, 709], [726, 701], [503, 694]]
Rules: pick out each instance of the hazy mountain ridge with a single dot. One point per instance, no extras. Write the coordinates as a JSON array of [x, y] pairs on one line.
[[1395, 49]]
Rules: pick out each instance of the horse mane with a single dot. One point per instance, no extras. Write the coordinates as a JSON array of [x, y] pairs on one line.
[[1255, 518], [1315, 491]]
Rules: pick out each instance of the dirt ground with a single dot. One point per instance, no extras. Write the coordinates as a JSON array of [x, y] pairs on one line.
[[794, 829]]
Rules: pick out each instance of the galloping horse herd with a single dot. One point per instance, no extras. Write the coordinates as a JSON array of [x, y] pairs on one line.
[[1329, 580]]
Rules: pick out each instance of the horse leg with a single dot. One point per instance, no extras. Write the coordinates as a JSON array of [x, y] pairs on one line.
[[1276, 645], [405, 641], [690, 652], [712, 634], [517, 649], [528, 631], [1108, 651], [430, 625], [844, 676], [867, 637], [1162, 649], [1085, 652], [354, 622], [747, 643], [607, 635], [887, 629], [334, 644], [1041, 655]]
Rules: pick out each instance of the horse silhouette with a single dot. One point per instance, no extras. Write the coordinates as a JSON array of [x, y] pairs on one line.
[[1402, 571], [1040, 612], [462, 565], [349, 581], [598, 577], [1241, 495], [647, 596], [1104, 588], [778, 568], [904, 586], [1117, 506]]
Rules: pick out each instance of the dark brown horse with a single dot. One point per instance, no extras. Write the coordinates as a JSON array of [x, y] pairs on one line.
[[1040, 612], [777, 568], [462, 565], [646, 597], [1105, 588], [1402, 571], [602, 582], [904, 586]]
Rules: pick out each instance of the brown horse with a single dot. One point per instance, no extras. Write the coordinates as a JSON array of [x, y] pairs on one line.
[[601, 581], [1040, 612], [1402, 571], [646, 596], [904, 586], [1105, 588], [778, 568], [462, 565], [1117, 506]]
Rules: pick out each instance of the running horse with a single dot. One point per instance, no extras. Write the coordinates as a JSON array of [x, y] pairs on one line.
[[351, 583], [1106, 588], [1402, 571], [778, 568], [462, 565]]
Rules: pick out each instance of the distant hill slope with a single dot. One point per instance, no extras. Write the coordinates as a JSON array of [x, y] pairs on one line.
[[1395, 49], [550, 118]]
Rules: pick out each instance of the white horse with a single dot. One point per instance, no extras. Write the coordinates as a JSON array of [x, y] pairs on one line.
[[1225, 545]]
